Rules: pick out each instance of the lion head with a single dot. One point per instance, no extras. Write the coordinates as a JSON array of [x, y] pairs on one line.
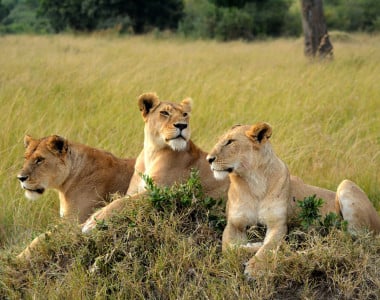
[[45, 165], [243, 147], [166, 123]]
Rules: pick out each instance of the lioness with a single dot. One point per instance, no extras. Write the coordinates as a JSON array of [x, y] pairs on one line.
[[262, 191], [168, 155], [84, 177]]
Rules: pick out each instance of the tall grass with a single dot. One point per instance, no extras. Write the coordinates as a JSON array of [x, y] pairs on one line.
[[325, 116]]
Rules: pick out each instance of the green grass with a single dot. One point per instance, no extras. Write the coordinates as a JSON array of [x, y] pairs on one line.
[[325, 119]]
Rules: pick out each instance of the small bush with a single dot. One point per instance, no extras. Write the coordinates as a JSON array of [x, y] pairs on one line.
[[309, 216], [187, 198]]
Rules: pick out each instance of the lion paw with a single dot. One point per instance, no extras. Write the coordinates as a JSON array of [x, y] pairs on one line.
[[91, 222], [249, 269], [254, 268], [103, 214], [252, 247], [88, 225]]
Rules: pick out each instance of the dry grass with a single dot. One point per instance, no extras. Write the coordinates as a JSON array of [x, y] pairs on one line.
[[150, 252], [326, 127]]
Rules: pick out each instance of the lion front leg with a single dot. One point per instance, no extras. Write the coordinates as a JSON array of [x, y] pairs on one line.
[[273, 237], [27, 253], [233, 236]]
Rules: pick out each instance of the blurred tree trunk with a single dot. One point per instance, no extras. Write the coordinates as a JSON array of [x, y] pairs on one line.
[[317, 42]]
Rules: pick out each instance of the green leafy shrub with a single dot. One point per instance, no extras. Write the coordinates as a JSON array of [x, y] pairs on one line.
[[309, 216], [187, 198]]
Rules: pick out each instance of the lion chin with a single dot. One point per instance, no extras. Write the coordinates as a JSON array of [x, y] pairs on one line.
[[32, 195], [178, 144], [220, 175]]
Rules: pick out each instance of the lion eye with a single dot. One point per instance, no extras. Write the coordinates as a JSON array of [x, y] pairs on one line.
[[39, 160], [164, 113], [185, 114], [229, 142]]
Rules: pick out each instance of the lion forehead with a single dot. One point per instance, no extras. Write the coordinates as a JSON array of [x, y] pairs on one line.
[[31, 149], [235, 134], [239, 130], [36, 150], [171, 107]]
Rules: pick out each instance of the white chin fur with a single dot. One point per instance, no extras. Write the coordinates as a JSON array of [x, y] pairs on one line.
[[220, 175], [32, 195], [177, 144]]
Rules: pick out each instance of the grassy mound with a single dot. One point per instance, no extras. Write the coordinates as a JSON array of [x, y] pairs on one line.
[[167, 245]]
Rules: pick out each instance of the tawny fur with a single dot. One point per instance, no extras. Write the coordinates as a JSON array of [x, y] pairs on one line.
[[168, 155], [84, 177], [263, 192]]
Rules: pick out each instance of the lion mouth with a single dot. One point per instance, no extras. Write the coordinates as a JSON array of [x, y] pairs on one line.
[[228, 170], [38, 191], [221, 174], [180, 136]]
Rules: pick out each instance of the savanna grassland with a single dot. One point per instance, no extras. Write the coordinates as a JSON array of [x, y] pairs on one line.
[[326, 127]]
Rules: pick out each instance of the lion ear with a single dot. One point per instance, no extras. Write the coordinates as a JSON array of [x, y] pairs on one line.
[[187, 104], [146, 102], [27, 140], [57, 144], [259, 132]]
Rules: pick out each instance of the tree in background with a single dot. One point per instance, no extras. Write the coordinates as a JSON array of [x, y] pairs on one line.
[[220, 19], [17, 16], [317, 42], [239, 19], [88, 15], [4, 11], [353, 15], [199, 19]]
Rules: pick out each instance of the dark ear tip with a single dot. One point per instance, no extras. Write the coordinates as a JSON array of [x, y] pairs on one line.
[[259, 131], [146, 101], [58, 143], [58, 138], [265, 131]]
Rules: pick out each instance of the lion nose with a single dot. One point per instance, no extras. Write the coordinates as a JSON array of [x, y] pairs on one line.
[[180, 126], [210, 159], [22, 178]]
